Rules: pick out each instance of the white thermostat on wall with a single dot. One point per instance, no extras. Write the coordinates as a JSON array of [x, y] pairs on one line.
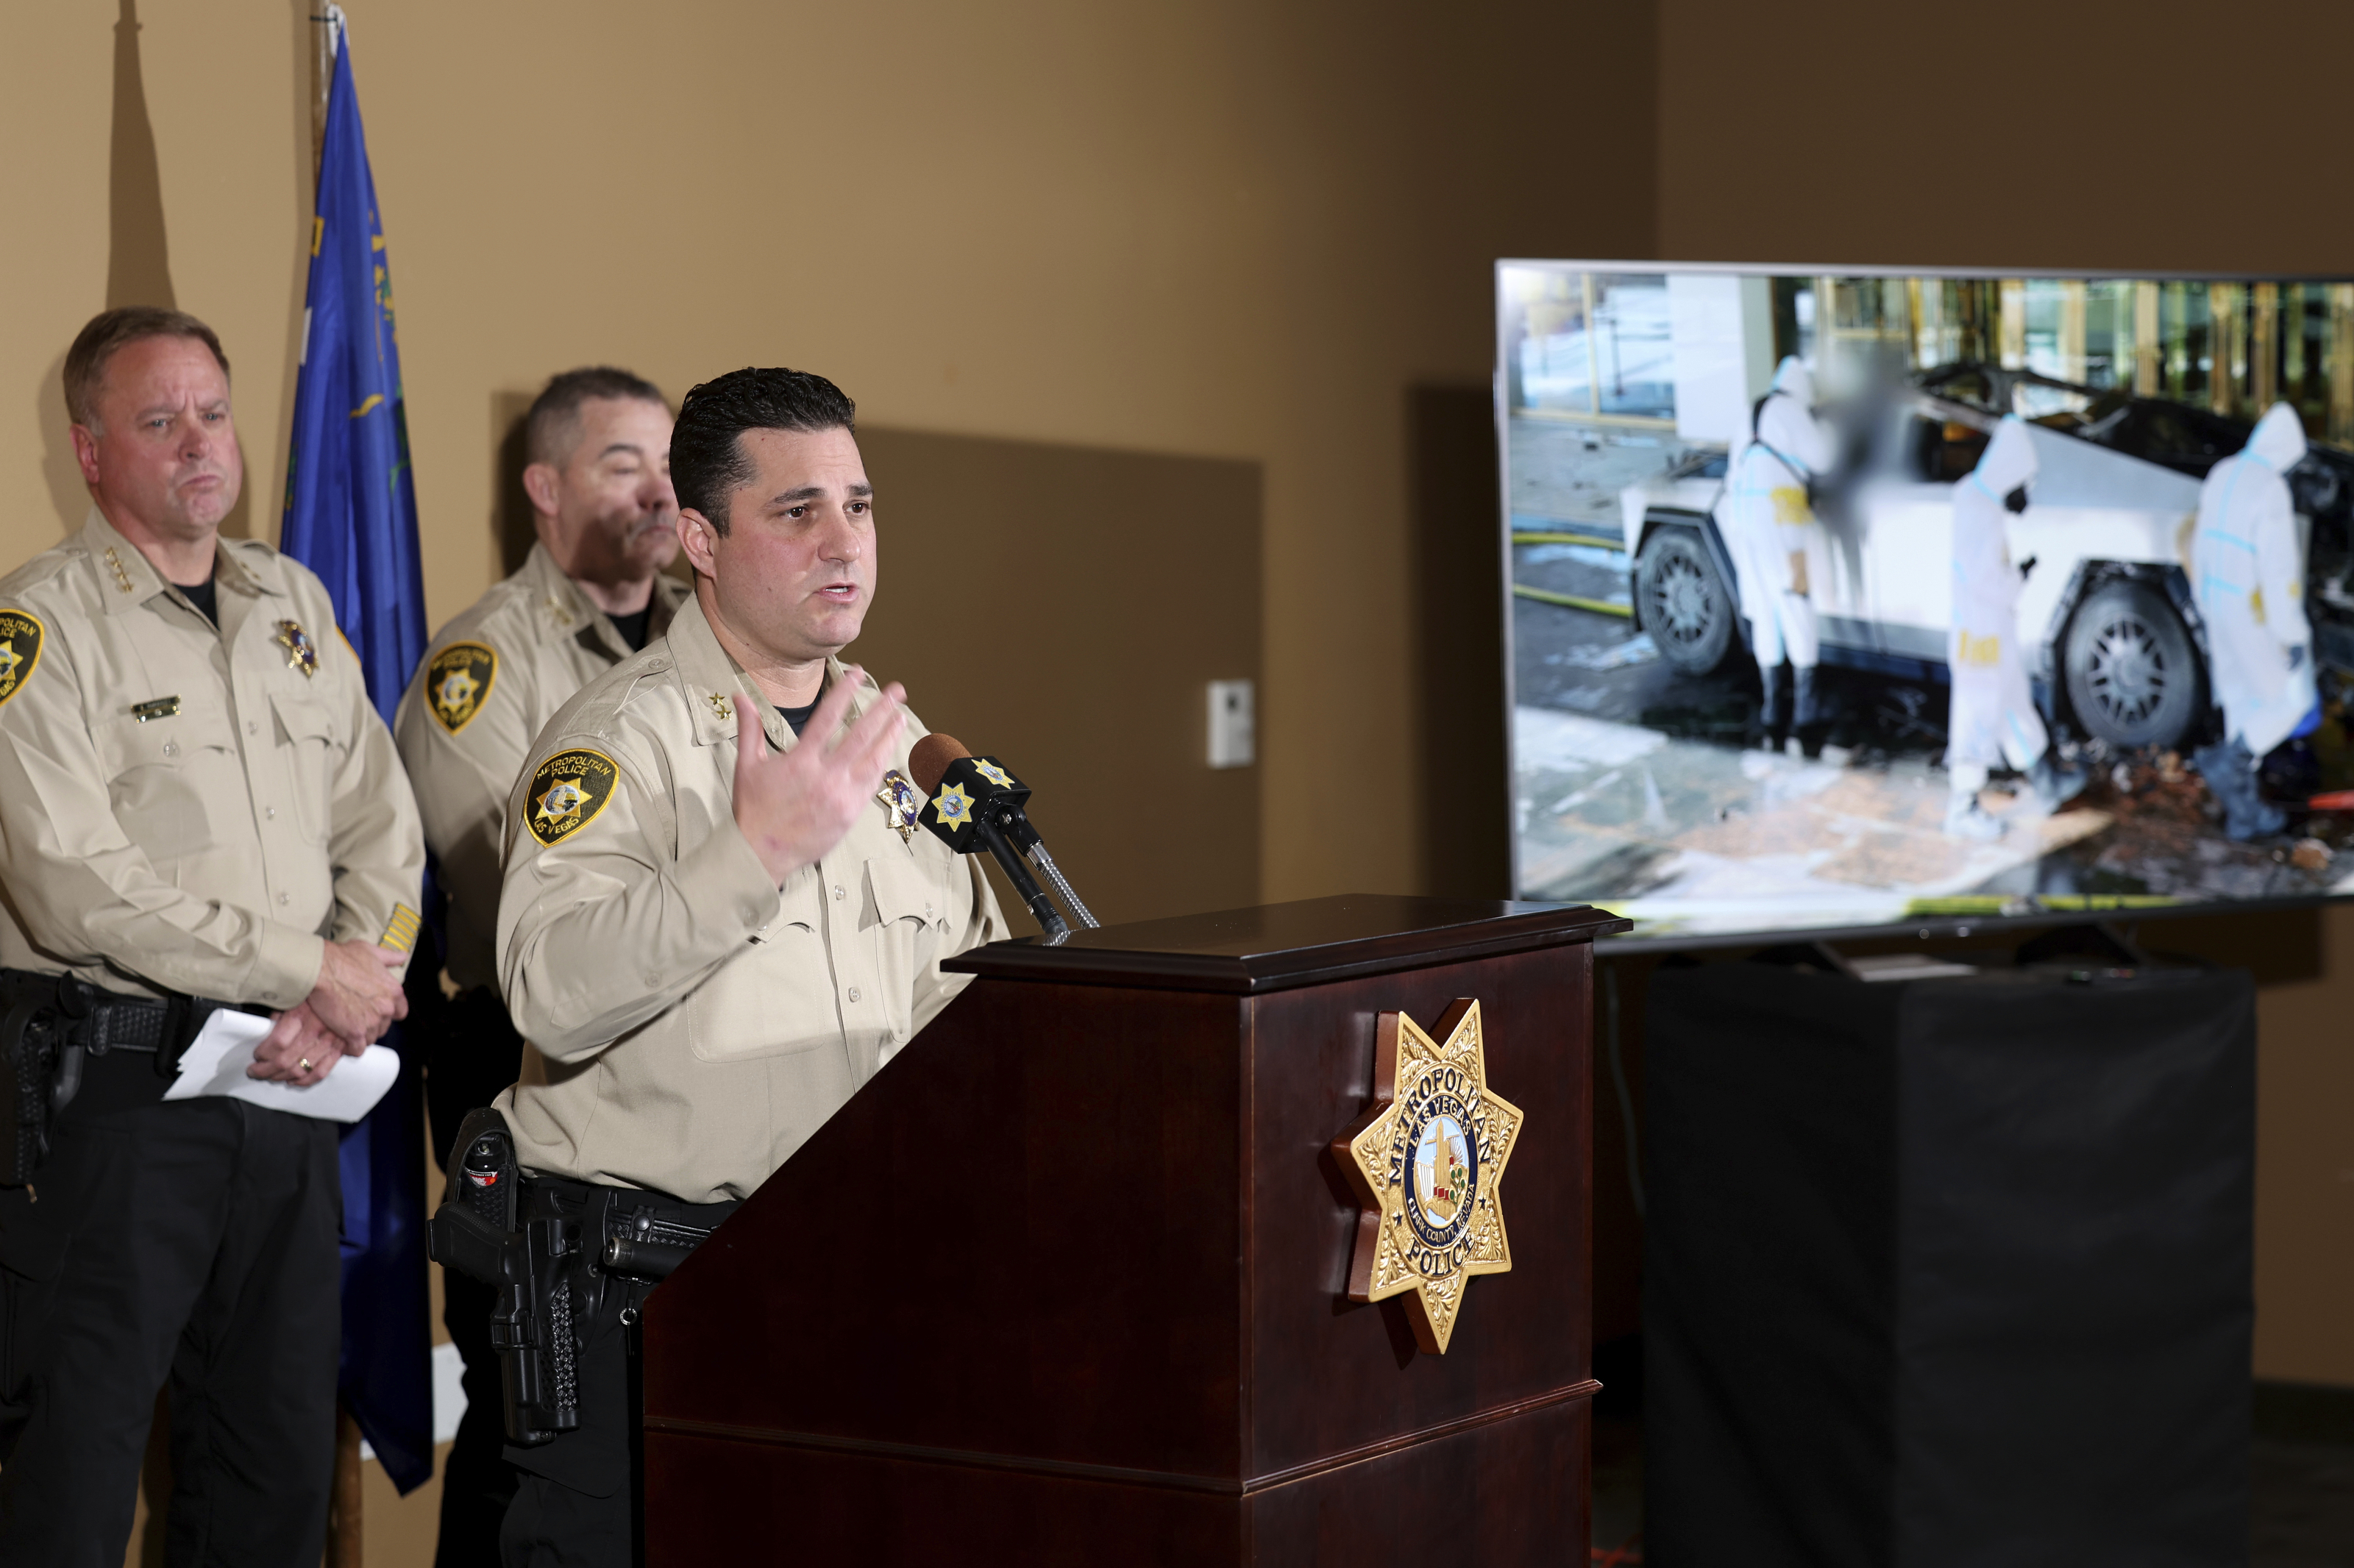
[[1234, 739]]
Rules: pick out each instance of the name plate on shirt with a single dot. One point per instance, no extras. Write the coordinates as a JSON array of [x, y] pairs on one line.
[[155, 708]]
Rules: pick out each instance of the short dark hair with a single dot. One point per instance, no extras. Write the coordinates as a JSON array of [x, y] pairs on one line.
[[706, 459], [553, 426], [112, 331]]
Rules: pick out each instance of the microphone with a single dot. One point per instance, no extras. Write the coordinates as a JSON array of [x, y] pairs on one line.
[[973, 802]]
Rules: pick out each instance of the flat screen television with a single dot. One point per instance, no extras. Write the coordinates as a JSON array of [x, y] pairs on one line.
[[1988, 700]]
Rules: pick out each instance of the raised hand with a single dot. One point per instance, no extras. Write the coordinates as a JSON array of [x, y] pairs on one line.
[[793, 806]]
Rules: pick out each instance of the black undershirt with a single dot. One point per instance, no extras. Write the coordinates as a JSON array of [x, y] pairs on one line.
[[205, 597], [800, 716], [632, 628]]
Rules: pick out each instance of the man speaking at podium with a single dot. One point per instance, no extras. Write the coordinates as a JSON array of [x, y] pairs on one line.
[[719, 916]]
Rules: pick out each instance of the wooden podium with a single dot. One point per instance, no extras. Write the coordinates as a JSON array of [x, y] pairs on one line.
[[1066, 1283]]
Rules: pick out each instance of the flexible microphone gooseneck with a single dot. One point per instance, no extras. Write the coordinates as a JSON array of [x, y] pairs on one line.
[[973, 802]]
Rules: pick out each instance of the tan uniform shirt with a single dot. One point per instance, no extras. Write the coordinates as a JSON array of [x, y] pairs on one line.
[[690, 1024], [185, 809], [488, 686]]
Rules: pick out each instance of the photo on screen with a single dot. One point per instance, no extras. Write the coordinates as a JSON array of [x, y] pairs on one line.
[[1838, 601]]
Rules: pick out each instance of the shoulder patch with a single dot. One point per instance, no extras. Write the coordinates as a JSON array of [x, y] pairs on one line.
[[458, 682], [21, 636], [567, 791]]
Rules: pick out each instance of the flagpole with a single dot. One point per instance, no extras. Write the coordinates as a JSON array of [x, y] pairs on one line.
[[326, 32], [344, 1509], [350, 516]]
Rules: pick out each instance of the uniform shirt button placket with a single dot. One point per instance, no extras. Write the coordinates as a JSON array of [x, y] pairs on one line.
[[249, 700], [838, 930], [256, 761]]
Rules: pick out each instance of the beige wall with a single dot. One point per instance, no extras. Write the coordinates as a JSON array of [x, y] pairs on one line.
[[1126, 800], [2005, 134], [232, 178]]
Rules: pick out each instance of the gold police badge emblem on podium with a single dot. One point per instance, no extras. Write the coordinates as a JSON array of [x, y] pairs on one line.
[[1428, 1162]]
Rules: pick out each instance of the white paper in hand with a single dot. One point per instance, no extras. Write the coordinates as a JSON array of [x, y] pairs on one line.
[[216, 1061]]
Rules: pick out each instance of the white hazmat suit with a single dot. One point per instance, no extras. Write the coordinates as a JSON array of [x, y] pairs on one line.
[[1770, 514], [2249, 574], [1991, 718]]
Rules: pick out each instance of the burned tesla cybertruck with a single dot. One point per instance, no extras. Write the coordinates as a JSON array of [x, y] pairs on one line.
[[2114, 642]]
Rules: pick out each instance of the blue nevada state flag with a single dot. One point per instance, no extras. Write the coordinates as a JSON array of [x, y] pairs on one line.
[[351, 516]]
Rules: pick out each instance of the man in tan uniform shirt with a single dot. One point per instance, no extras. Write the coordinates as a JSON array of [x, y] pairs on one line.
[[591, 593], [719, 916], [198, 807]]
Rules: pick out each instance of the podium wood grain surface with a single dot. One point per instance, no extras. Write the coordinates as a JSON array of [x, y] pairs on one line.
[[1064, 1283]]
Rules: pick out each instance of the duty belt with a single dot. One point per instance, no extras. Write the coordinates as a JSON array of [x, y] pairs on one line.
[[59, 1041], [558, 1254]]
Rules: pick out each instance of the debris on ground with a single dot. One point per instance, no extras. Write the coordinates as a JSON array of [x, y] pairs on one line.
[[2153, 788]]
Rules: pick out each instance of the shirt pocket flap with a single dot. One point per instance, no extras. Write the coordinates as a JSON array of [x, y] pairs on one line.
[[171, 728], [897, 889], [303, 719], [125, 742]]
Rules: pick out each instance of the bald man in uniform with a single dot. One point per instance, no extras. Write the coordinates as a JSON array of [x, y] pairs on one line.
[[591, 593]]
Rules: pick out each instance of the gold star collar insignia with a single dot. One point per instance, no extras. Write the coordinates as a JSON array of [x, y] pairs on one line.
[[1428, 1162]]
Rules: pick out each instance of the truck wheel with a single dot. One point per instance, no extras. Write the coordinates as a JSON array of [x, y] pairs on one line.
[[1686, 604], [2132, 671]]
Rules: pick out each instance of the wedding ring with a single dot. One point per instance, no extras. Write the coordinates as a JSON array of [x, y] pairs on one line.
[[303, 1063]]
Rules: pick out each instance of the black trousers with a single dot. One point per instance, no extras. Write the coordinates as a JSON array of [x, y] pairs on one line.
[[576, 1497], [576, 1503], [474, 1053], [193, 1242]]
